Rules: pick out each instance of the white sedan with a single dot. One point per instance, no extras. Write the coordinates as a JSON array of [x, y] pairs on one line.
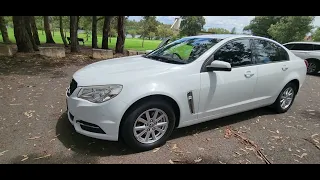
[[141, 99]]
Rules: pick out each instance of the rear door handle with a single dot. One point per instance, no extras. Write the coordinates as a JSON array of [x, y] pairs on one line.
[[248, 74], [284, 68]]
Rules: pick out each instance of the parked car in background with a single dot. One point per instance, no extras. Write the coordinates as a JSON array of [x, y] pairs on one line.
[[309, 51], [142, 98]]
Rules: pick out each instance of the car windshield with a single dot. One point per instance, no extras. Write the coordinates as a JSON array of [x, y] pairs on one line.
[[183, 51]]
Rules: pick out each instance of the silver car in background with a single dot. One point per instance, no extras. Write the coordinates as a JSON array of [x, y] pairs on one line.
[[309, 51]]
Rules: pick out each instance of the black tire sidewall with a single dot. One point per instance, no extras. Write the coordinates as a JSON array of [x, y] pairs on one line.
[[277, 104], [317, 66], [127, 126]]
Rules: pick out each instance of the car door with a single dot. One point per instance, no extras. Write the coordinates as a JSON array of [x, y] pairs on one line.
[[273, 66], [228, 92]]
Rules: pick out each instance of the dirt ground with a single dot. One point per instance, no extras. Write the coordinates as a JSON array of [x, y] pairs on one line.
[[34, 126]]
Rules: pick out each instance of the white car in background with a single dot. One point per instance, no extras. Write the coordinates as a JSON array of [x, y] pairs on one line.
[[309, 51], [142, 98]]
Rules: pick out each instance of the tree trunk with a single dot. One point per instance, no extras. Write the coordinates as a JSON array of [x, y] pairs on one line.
[[61, 32], [20, 33], [74, 33], [106, 29], [94, 32], [121, 35], [3, 30], [27, 23], [110, 39], [34, 30], [47, 30]]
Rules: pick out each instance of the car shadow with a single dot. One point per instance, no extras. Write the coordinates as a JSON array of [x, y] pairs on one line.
[[95, 147]]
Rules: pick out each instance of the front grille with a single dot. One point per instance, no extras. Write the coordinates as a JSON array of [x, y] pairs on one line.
[[73, 86], [90, 127]]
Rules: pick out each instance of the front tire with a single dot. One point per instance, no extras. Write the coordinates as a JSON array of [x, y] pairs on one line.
[[285, 98], [148, 125]]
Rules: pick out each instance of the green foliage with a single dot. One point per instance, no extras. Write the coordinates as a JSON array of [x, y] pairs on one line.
[[291, 28], [39, 22], [151, 35], [148, 24], [191, 25], [85, 23], [260, 24], [132, 32], [113, 32], [8, 21], [218, 31], [316, 35], [164, 31]]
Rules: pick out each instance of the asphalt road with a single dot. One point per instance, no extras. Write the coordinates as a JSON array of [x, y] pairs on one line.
[[34, 127]]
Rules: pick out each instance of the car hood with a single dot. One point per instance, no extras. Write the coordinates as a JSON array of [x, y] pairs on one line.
[[118, 70]]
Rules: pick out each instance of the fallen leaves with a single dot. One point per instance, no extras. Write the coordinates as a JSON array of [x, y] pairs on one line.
[[175, 160], [197, 160], [25, 157], [35, 137], [29, 113], [1, 153], [300, 156], [41, 157], [156, 149], [228, 133], [174, 146]]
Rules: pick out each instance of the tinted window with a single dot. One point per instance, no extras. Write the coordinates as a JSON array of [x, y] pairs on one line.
[[316, 47], [266, 51], [237, 53], [289, 46], [302, 47]]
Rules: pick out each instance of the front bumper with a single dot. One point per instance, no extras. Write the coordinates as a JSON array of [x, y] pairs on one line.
[[96, 120]]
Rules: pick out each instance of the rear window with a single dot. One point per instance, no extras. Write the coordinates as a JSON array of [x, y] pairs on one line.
[[288, 46], [302, 47]]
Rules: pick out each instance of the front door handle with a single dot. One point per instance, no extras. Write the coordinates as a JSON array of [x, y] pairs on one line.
[[248, 74]]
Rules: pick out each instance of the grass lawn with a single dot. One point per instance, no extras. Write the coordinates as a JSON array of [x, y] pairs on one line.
[[130, 43]]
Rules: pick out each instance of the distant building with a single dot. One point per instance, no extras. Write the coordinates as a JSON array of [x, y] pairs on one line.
[[176, 24], [308, 38]]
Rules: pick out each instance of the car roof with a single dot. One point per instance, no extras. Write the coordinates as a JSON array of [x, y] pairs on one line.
[[303, 42], [219, 36]]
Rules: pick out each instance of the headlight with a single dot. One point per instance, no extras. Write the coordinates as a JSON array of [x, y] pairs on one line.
[[99, 94]]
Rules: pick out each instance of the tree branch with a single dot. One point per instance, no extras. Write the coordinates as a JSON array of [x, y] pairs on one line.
[[100, 18]]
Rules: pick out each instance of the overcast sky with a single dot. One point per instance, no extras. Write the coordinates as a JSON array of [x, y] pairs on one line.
[[227, 22]]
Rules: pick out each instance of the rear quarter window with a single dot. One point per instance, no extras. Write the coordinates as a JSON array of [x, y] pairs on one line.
[[316, 47], [268, 52]]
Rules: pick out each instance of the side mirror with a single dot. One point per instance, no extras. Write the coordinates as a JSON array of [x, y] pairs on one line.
[[219, 66]]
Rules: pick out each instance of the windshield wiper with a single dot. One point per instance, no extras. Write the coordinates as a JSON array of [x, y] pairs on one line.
[[165, 59]]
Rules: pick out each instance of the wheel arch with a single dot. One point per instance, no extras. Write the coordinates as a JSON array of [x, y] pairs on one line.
[[170, 100]]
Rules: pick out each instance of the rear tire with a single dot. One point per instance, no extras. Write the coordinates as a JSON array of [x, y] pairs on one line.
[[134, 130], [283, 102], [313, 66]]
